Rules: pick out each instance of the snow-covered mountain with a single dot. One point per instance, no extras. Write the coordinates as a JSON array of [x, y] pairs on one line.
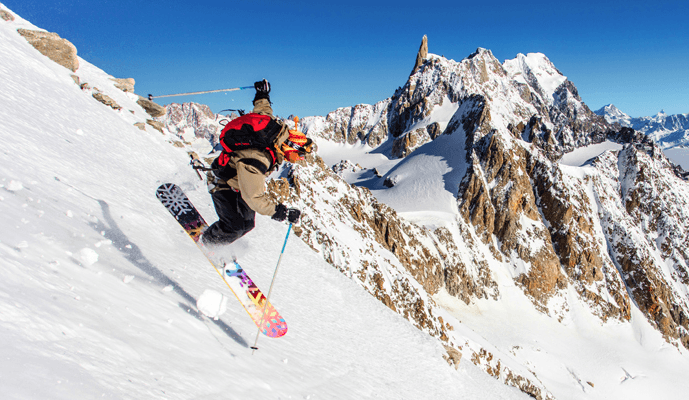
[[527, 96], [667, 130], [473, 147], [614, 115], [482, 217]]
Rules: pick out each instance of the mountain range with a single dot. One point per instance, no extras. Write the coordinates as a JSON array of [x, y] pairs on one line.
[[667, 130]]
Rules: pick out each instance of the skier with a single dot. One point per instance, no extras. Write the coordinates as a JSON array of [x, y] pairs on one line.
[[237, 179]]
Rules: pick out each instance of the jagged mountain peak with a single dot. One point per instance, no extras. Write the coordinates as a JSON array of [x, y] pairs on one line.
[[536, 70], [481, 52], [614, 115], [515, 92], [609, 108]]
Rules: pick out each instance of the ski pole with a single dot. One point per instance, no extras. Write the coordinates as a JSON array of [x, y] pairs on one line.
[[151, 97], [265, 305]]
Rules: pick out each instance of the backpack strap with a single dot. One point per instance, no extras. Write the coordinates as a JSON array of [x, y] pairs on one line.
[[256, 164]]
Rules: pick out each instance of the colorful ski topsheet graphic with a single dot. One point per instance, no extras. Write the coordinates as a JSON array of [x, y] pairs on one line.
[[244, 289], [273, 324]]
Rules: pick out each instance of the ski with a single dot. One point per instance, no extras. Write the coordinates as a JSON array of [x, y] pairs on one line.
[[234, 276]]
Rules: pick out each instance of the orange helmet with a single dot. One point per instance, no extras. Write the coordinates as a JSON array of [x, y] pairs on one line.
[[296, 145]]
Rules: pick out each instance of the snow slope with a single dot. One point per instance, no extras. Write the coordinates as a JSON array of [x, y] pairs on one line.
[[580, 156], [98, 284]]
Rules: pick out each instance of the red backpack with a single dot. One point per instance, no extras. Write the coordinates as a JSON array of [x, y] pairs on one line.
[[250, 131]]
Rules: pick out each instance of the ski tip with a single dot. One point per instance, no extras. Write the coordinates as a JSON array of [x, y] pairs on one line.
[[254, 348]]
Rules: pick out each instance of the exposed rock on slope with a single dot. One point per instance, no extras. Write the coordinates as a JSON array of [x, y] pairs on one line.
[[125, 85], [398, 262], [6, 15], [107, 100], [51, 45], [153, 109]]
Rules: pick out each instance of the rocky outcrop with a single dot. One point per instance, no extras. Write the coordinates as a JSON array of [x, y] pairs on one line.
[[107, 100], [404, 145], [52, 46], [153, 109], [421, 55], [497, 198], [157, 125], [125, 85], [6, 15], [568, 211]]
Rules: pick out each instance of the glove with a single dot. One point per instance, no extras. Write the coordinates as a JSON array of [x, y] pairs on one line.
[[262, 90], [280, 213], [293, 215], [290, 214]]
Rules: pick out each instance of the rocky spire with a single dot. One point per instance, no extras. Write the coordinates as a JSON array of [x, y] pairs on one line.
[[421, 55]]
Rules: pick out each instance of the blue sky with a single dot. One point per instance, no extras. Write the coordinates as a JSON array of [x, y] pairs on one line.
[[322, 55]]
